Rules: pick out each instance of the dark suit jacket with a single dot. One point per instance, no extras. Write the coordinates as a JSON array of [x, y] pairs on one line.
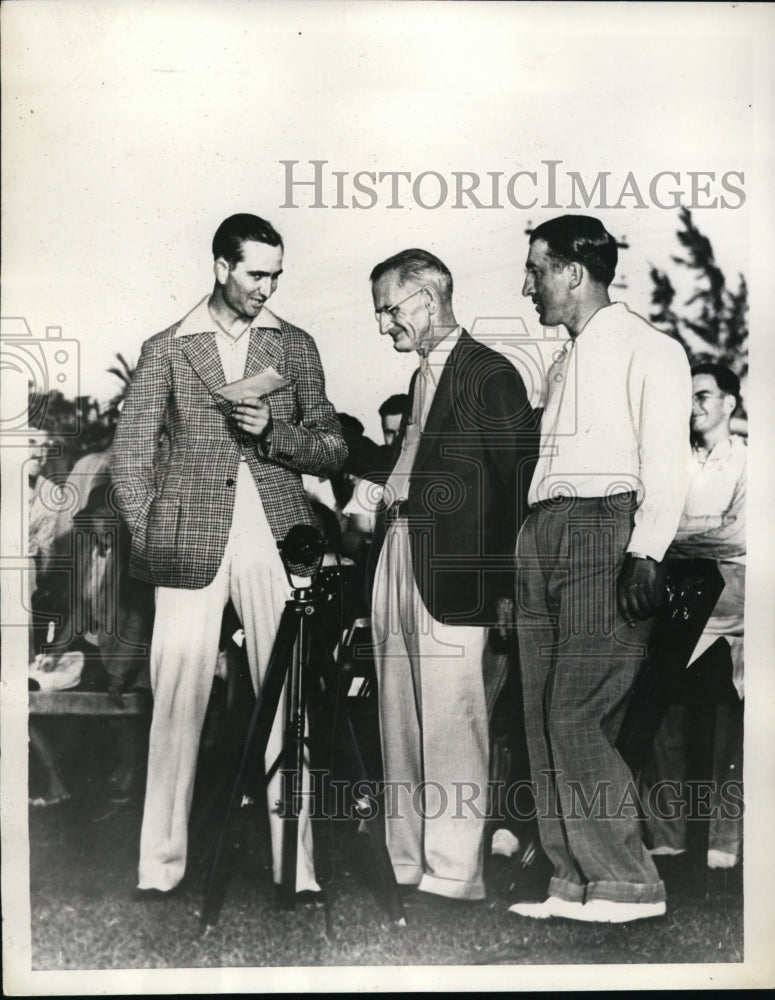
[[468, 487]]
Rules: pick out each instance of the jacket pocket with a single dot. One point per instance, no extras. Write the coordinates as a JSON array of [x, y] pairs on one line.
[[161, 540]]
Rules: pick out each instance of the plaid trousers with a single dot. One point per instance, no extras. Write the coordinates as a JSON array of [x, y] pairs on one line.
[[579, 660]]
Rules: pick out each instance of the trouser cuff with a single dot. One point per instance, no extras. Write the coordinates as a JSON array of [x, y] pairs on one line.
[[627, 892], [407, 874], [451, 888], [572, 892]]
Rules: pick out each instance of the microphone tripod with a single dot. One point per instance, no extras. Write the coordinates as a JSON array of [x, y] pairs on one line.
[[300, 657]]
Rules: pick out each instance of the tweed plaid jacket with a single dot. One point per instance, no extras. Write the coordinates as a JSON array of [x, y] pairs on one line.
[[176, 454]]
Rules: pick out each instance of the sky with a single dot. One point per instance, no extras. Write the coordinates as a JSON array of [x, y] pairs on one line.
[[131, 129]]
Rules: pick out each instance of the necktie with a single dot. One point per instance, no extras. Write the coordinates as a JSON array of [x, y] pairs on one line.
[[422, 393]]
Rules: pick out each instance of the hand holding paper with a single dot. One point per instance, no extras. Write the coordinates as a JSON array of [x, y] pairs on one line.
[[253, 386], [252, 416]]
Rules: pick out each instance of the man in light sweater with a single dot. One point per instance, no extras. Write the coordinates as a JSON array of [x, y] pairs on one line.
[[605, 499]]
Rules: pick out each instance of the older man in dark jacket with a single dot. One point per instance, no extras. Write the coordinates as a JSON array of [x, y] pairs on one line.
[[453, 503]]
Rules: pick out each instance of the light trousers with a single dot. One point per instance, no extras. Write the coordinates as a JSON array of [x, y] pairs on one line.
[[434, 732], [184, 651]]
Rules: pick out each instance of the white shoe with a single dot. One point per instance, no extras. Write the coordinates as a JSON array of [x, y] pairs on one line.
[[664, 850], [603, 911], [551, 907], [609, 911]]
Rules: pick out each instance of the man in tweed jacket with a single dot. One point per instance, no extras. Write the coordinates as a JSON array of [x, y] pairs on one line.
[[208, 489]]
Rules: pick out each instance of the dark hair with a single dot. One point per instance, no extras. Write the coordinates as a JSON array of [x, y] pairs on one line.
[[583, 240], [351, 423], [239, 229], [394, 405], [419, 265], [726, 379]]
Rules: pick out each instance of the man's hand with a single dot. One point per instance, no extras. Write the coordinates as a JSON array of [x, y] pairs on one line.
[[253, 416], [640, 589], [505, 612]]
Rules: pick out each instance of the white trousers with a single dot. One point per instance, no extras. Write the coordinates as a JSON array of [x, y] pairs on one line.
[[184, 651], [434, 731]]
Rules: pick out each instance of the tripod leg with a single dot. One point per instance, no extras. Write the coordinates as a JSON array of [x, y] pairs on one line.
[[368, 808], [367, 804], [256, 740], [293, 762]]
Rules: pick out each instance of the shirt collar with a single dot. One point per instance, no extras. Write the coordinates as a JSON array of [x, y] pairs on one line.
[[199, 320], [605, 320], [725, 445]]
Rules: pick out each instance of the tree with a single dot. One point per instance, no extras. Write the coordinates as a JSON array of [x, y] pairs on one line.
[[713, 323], [124, 373], [77, 425]]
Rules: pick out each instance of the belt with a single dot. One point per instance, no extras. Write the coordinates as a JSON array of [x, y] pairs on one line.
[[615, 500], [398, 509]]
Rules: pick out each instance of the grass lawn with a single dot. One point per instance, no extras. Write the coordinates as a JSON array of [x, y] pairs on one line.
[[83, 864]]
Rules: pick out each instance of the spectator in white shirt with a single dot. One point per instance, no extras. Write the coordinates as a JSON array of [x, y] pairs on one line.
[[712, 526], [367, 494]]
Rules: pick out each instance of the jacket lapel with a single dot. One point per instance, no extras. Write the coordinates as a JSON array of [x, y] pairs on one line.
[[439, 416], [265, 350], [404, 420], [201, 351]]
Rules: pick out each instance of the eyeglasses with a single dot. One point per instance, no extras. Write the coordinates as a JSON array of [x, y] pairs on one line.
[[392, 311]]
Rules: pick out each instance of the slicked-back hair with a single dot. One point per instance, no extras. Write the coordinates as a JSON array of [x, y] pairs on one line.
[[725, 379], [394, 405], [416, 265], [239, 229], [583, 240]]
